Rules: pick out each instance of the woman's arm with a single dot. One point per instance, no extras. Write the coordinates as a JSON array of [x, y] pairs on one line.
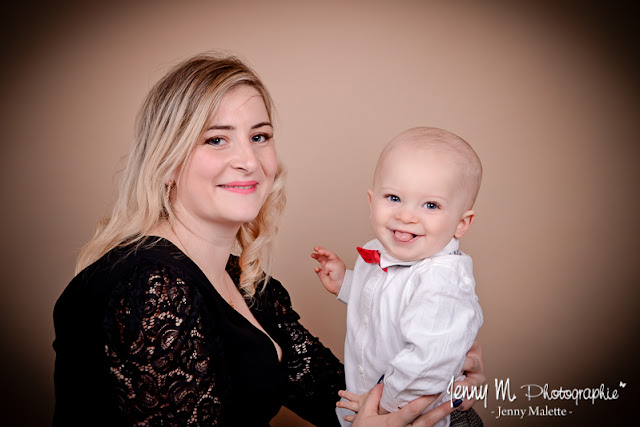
[[160, 366], [315, 374]]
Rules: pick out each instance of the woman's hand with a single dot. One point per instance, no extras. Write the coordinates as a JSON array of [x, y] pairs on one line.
[[473, 368], [406, 416], [355, 401]]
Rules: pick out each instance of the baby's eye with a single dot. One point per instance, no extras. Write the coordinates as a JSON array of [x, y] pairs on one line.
[[393, 198], [261, 137], [215, 141], [431, 205]]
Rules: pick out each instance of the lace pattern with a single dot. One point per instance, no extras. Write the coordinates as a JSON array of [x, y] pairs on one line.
[[164, 354], [315, 374], [157, 358]]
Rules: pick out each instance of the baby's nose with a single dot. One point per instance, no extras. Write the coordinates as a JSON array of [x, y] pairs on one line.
[[407, 215]]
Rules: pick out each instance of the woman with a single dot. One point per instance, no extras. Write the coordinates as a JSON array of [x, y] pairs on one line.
[[162, 325]]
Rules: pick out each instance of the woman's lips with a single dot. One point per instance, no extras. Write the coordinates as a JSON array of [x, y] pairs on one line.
[[242, 187]]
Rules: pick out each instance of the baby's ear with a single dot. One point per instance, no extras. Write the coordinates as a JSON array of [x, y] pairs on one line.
[[465, 223]]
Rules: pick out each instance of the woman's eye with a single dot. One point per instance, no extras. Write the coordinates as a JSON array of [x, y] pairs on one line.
[[394, 199], [431, 205], [260, 138], [215, 141]]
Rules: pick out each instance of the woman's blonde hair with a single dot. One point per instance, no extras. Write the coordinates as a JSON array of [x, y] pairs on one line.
[[168, 127]]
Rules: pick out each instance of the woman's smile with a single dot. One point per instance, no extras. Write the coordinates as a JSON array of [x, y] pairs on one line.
[[242, 187]]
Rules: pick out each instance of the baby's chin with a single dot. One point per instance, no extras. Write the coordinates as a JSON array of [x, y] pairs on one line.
[[406, 255], [407, 258]]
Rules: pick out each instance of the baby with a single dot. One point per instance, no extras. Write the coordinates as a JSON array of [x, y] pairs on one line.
[[412, 311]]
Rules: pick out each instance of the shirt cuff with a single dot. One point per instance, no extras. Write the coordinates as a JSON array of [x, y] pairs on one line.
[[388, 402], [345, 289]]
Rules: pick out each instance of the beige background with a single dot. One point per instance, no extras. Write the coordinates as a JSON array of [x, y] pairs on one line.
[[548, 97]]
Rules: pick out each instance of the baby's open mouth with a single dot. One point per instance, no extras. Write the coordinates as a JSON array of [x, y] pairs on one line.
[[403, 236]]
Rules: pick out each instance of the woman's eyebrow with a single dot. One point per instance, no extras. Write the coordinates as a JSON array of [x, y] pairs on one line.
[[229, 127], [259, 125]]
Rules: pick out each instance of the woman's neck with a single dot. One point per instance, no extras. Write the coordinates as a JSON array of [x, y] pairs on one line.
[[209, 247]]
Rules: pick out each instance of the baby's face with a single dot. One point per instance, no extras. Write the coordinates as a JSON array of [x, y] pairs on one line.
[[417, 202]]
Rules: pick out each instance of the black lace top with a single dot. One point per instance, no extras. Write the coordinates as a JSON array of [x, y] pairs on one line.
[[143, 338]]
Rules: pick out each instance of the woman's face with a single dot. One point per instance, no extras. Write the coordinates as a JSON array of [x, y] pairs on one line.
[[228, 176]]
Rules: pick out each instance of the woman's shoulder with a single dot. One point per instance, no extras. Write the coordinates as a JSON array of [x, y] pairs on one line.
[[131, 265], [271, 291], [274, 298]]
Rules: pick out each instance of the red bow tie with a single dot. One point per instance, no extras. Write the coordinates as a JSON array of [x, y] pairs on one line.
[[370, 256]]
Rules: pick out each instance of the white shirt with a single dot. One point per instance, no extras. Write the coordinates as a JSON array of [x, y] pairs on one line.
[[413, 323]]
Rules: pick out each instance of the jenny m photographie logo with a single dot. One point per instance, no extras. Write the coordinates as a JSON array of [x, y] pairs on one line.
[[535, 400]]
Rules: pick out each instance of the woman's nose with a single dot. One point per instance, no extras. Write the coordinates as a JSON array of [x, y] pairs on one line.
[[245, 157]]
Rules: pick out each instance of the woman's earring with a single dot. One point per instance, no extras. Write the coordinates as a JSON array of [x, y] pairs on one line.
[[169, 187]]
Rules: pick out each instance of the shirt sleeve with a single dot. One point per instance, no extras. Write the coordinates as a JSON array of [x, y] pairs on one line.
[[440, 320], [314, 374], [160, 370], [345, 289]]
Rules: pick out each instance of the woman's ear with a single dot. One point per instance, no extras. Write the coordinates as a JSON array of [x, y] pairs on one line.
[[174, 176], [465, 223]]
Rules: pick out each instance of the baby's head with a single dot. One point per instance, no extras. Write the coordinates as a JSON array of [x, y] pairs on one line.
[[424, 188]]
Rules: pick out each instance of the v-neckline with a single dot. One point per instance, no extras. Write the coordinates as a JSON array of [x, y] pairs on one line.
[[228, 307]]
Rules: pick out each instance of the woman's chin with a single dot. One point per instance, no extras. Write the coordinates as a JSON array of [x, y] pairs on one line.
[[243, 217]]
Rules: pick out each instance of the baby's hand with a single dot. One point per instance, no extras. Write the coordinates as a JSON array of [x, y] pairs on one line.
[[353, 403], [331, 271]]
